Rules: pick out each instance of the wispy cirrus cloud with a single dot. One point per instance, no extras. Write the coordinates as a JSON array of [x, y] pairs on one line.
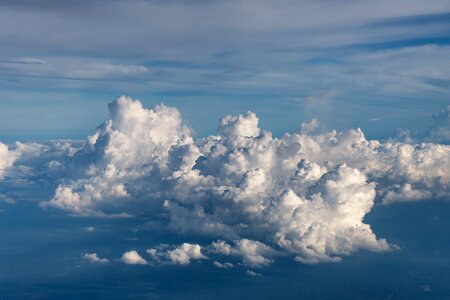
[[377, 54]]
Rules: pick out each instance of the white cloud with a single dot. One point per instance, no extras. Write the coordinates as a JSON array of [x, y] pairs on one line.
[[405, 193], [304, 195], [151, 251], [134, 143], [133, 258], [93, 258], [225, 265], [252, 273], [253, 253], [185, 253], [221, 247], [309, 127], [7, 158]]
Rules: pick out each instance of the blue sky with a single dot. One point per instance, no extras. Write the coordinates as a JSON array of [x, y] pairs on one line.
[[343, 62], [302, 149]]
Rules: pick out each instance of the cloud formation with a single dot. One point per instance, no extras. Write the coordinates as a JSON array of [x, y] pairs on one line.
[[7, 158], [303, 195], [133, 258], [183, 254], [369, 52], [93, 258]]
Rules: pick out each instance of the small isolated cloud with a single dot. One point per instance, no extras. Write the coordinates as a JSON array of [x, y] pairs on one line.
[[185, 253], [7, 199], [133, 258], [225, 265], [309, 127], [427, 288], [252, 273], [93, 258]]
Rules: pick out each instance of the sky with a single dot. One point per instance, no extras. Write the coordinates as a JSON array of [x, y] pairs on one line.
[[226, 149], [346, 63]]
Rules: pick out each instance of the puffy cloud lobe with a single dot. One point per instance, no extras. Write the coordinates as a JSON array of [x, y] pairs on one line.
[[253, 253], [239, 126], [93, 258], [7, 158], [46, 161], [422, 167], [252, 273], [133, 258], [330, 222], [225, 265], [28, 161], [134, 143], [303, 194], [406, 193], [183, 254]]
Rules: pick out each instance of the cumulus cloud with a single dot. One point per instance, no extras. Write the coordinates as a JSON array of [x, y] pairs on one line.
[[33, 161], [133, 144], [304, 194], [7, 158], [93, 258], [253, 253], [183, 254], [133, 258], [406, 193]]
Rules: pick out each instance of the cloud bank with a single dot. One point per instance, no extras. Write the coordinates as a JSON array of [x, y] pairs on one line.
[[253, 196]]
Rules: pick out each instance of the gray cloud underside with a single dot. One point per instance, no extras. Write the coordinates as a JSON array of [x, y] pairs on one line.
[[254, 196]]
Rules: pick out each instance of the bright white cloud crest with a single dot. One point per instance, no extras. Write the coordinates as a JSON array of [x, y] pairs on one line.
[[304, 195], [7, 158], [183, 254], [133, 258]]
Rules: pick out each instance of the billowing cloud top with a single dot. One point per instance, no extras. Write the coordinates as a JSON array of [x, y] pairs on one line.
[[7, 158], [253, 196], [133, 258]]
